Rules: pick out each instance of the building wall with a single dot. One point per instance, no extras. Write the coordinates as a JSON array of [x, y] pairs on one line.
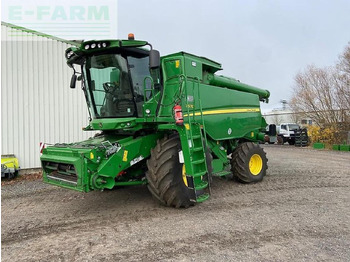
[[286, 116], [36, 101]]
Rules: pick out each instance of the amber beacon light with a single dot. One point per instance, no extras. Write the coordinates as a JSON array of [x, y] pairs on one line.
[[131, 36]]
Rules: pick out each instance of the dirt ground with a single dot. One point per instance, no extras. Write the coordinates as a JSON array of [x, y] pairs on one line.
[[300, 212]]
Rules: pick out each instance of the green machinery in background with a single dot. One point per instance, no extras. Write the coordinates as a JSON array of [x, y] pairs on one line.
[[169, 122]]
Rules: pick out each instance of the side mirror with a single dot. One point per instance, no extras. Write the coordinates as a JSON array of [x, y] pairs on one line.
[[154, 59], [73, 80]]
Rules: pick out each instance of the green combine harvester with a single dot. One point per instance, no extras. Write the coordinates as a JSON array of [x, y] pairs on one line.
[[166, 122]]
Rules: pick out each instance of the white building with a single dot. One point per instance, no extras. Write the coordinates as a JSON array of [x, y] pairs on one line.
[[37, 104], [278, 116]]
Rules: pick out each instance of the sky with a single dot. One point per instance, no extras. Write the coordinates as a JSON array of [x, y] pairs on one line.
[[262, 43]]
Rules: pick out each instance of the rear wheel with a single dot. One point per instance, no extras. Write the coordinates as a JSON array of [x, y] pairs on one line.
[[249, 163], [280, 140], [291, 141], [166, 175]]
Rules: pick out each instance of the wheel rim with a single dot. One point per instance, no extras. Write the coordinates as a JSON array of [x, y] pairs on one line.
[[184, 178], [255, 164]]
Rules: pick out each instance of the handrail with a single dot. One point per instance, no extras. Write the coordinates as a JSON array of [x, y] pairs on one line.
[[144, 87], [204, 131]]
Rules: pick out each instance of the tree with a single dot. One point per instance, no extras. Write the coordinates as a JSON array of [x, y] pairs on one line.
[[342, 80], [323, 94]]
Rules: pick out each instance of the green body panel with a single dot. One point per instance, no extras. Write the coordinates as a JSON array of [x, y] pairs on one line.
[[71, 156], [232, 83], [237, 113], [218, 112], [93, 168], [115, 123]]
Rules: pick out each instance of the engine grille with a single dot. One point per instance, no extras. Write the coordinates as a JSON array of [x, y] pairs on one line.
[[61, 172]]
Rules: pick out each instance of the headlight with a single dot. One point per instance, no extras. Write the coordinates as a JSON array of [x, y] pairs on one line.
[[87, 47], [69, 54], [104, 44], [99, 45], [93, 45]]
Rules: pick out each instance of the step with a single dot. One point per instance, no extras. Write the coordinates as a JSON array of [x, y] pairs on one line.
[[196, 136], [222, 173], [197, 162], [202, 185], [197, 149], [202, 198], [199, 174]]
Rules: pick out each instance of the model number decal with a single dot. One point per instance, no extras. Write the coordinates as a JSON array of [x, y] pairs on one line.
[[136, 160]]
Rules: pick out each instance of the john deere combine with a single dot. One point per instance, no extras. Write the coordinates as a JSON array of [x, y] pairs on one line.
[[169, 122]]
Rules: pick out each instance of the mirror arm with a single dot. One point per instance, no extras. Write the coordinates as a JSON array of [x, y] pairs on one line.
[[150, 45]]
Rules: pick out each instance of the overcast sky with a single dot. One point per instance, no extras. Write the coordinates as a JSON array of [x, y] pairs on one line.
[[263, 43]]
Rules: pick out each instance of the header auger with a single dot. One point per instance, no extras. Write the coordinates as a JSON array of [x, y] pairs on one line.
[[169, 122]]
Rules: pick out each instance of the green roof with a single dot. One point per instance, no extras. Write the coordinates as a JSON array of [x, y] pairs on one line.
[[205, 61]]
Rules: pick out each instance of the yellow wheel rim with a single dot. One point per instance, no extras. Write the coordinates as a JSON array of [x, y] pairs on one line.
[[255, 164], [184, 178]]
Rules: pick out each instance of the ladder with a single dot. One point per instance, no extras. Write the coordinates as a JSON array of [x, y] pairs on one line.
[[197, 174]]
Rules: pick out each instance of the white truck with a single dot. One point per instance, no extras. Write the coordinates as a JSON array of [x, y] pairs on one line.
[[286, 133]]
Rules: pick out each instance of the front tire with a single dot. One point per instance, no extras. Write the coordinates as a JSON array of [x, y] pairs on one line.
[[164, 175], [249, 163]]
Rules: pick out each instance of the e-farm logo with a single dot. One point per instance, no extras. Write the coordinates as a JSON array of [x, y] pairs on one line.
[[73, 20], [61, 13]]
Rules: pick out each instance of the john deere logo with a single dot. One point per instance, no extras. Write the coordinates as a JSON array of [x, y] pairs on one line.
[[100, 124]]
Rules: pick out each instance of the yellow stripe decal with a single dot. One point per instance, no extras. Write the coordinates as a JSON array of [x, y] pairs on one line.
[[226, 111]]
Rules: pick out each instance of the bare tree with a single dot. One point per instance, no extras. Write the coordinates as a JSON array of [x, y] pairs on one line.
[[344, 61], [323, 94], [342, 80]]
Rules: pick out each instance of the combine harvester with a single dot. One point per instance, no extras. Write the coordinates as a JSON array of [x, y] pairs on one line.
[[169, 122]]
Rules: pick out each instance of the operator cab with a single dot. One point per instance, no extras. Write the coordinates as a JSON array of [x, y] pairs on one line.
[[118, 76], [115, 83]]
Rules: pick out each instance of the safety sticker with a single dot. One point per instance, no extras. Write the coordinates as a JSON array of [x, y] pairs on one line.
[[125, 156], [181, 157]]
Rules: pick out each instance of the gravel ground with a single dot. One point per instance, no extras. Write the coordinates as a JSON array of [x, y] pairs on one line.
[[300, 212]]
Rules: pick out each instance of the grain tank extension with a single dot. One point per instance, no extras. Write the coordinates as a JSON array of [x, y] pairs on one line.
[[169, 122]]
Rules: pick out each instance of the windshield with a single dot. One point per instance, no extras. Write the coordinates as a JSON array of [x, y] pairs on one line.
[[115, 84], [293, 127]]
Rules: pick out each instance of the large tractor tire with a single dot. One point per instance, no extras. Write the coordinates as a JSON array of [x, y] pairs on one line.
[[166, 175], [249, 163]]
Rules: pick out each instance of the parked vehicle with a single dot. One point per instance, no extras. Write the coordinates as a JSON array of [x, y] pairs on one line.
[[9, 166], [286, 133], [271, 134]]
